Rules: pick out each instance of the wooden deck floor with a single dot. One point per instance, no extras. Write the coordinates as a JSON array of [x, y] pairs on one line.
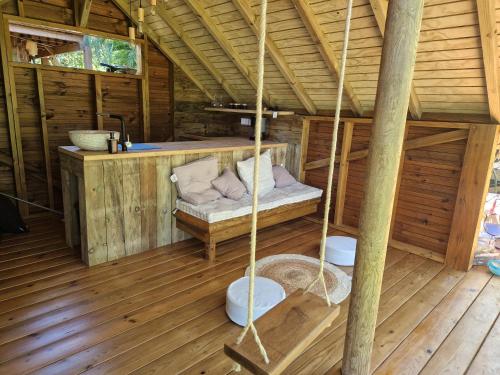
[[163, 311]]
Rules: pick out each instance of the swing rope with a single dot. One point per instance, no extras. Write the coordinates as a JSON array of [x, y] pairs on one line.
[[256, 173], [333, 151]]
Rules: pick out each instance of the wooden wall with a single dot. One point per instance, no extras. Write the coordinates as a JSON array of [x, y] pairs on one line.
[[60, 100], [190, 116], [436, 157], [7, 184]]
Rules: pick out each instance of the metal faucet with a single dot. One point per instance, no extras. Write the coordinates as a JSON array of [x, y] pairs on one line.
[[122, 140]]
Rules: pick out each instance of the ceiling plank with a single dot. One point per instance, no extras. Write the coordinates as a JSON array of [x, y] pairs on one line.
[[251, 19], [207, 21], [379, 8], [488, 30], [329, 55], [82, 12], [202, 58], [155, 39]]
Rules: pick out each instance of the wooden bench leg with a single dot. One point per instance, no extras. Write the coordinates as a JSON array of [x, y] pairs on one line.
[[210, 251]]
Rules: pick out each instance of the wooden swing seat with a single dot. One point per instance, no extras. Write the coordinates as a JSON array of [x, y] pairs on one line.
[[285, 331]]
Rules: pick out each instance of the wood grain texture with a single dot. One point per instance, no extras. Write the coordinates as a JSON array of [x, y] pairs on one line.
[[71, 319], [285, 331], [393, 92]]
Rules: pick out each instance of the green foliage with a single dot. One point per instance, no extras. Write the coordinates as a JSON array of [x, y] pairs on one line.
[[108, 51], [111, 51]]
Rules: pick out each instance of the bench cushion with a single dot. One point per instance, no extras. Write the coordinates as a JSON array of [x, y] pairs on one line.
[[224, 209]]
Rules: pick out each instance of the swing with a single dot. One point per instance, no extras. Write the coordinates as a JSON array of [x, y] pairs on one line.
[[285, 331]]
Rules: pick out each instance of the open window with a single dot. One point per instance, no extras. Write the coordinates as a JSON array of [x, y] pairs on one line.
[[73, 49]]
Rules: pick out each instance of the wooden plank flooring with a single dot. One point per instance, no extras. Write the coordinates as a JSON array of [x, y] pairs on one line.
[[162, 312]]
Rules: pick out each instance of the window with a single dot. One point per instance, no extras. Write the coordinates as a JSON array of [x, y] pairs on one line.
[[71, 49]]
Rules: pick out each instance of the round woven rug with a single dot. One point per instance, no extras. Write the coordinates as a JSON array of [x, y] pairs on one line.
[[298, 271]]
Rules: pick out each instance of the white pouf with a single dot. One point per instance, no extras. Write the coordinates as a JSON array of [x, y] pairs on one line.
[[340, 250], [267, 294]]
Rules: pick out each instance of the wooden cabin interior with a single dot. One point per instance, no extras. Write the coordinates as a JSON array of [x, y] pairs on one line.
[[116, 277]]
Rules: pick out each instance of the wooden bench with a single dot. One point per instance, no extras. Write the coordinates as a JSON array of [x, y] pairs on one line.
[[212, 233]]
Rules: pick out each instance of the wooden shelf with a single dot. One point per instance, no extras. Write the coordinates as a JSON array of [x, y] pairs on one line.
[[248, 111]]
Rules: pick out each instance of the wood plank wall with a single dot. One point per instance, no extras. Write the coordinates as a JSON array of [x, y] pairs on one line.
[[433, 161], [70, 100]]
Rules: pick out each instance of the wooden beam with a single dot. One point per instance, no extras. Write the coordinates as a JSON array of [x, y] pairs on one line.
[[343, 172], [329, 55], [471, 195], [380, 11], [20, 8], [206, 20], [12, 115], [488, 30], [45, 137], [393, 93], [82, 12], [279, 60], [304, 145], [199, 54], [145, 109], [98, 101], [430, 140], [167, 51]]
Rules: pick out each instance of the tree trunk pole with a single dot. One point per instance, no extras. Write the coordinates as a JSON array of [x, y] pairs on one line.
[[402, 30]]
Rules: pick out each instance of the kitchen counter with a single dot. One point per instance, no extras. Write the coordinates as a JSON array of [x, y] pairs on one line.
[[211, 145], [117, 205]]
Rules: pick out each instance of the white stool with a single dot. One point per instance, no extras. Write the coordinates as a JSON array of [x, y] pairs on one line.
[[267, 294], [340, 250]]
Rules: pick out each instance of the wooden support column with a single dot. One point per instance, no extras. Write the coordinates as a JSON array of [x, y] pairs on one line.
[[472, 190], [98, 100], [393, 94], [146, 126], [13, 118], [82, 12], [343, 171], [45, 137], [304, 144]]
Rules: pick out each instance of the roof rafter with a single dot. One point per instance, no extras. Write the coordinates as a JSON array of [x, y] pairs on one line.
[[278, 58], [326, 50], [220, 38], [155, 38], [487, 27], [379, 8], [82, 12], [202, 58]]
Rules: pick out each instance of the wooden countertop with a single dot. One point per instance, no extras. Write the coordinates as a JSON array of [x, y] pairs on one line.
[[171, 148]]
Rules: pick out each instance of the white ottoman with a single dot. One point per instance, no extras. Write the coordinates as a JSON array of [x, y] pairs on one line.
[[340, 250], [267, 294]]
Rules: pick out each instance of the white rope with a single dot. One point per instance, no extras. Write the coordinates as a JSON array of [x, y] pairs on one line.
[[333, 151], [256, 174]]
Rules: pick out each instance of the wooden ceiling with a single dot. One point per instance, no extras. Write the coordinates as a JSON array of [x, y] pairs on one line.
[[214, 42]]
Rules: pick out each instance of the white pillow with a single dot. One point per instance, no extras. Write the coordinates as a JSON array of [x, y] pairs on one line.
[[266, 179]]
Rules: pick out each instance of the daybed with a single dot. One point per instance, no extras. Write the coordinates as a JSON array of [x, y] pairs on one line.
[[224, 218]]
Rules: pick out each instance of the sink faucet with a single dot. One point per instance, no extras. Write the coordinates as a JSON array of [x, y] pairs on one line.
[[122, 140]]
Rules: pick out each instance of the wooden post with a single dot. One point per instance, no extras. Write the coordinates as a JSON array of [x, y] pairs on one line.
[[304, 143], [145, 91], [14, 126], [45, 137], [393, 95], [98, 100], [471, 195], [343, 172]]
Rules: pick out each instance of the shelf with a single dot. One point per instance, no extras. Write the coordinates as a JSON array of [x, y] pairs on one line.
[[249, 111]]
